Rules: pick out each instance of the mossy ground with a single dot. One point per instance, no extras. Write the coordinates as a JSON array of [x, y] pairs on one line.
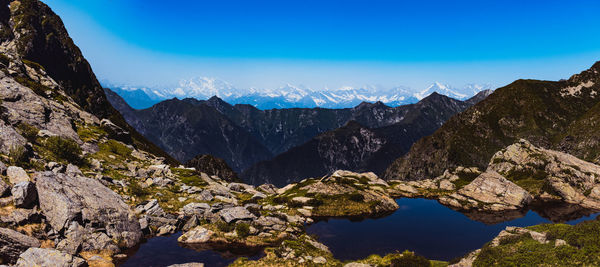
[[582, 249]]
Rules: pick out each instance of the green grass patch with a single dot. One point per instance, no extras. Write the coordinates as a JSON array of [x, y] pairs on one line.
[[90, 132]]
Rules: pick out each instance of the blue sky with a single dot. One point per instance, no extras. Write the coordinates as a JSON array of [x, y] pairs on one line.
[[333, 43]]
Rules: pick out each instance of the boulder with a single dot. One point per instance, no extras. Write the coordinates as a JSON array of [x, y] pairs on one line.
[[2, 168], [268, 188], [48, 257], [493, 191], [195, 236], [190, 264], [151, 208], [24, 195], [13, 243], [235, 214], [16, 175], [197, 209], [64, 199], [9, 138], [4, 188]]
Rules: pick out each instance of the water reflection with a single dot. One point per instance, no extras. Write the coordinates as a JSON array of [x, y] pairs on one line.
[[165, 250], [431, 229]]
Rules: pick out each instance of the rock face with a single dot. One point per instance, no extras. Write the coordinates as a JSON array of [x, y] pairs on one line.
[[550, 174], [24, 195], [213, 166], [489, 191], [9, 138], [65, 199], [16, 175], [48, 257], [4, 188], [13, 243], [236, 213], [558, 115]]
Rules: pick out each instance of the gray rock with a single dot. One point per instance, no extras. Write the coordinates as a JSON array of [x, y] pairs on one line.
[[238, 187], [16, 175], [2, 168], [21, 217], [190, 264], [4, 188], [74, 237], [196, 235], [73, 170], [191, 223], [24, 195], [197, 209], [48, 257], [113, 129], [268, 188], [9, 138], [356, 264], [235, 214], [152, 208], [13, 243], [258, 195], [489, 191], [65, 198], [206, 196]]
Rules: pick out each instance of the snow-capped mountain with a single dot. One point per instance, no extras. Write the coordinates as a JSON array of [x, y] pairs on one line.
[[204, 88], [442, 89], [291, 96]]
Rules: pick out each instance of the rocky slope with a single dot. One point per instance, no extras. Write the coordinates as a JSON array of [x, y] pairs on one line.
[[555, 115], [213, 166], [32, 32], [77, 189]]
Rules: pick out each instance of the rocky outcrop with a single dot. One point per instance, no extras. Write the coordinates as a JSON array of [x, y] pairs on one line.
[[550, 175], [65, 199], [489, 191], [13, 243], [48, 257], [516, 176], [343, 194]]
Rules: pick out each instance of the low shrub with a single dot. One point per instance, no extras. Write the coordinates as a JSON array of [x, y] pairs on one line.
[[63, 149], [28, 131], [356, 197], [410, 259], [19, 156], [137, 190], [224, 227], [242, 229]]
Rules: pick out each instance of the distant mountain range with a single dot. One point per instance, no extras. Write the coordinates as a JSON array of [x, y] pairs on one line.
[[288, 96], [243, 135]]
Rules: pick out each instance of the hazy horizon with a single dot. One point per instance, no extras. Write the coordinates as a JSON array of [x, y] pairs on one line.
[[268, 44]]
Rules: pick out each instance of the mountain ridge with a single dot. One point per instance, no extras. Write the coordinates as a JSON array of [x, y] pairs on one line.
[[356, 147], [549, 114]]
